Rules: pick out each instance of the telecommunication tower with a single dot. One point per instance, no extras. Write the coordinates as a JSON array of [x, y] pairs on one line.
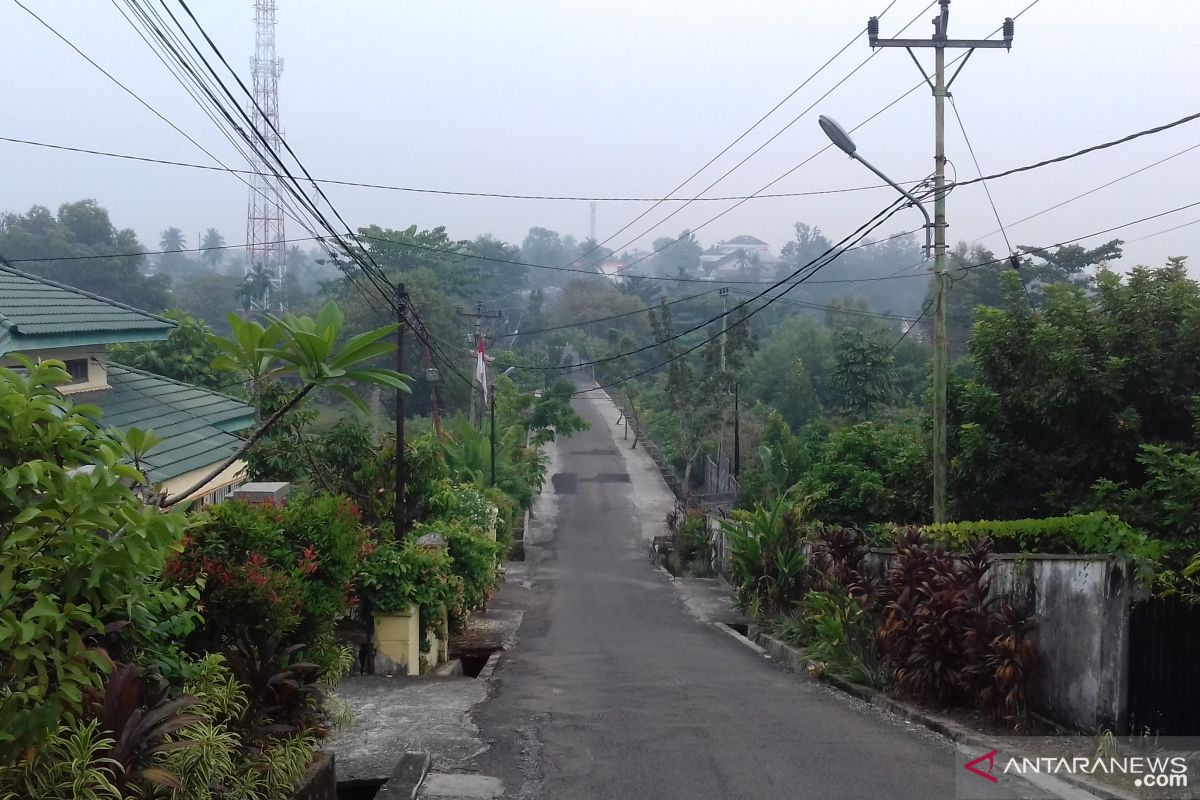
[[264, 214]]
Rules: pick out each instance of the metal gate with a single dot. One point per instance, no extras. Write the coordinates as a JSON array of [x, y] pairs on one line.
[[1164, 668]]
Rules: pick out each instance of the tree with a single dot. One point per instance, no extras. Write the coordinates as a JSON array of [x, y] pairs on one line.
[[186, 355], [172, 242], [305, 350], [493, 267], [679, 257], [212, 254], [545, 248], [1067, 396], [80, 247], [864, 373], [255, 289]]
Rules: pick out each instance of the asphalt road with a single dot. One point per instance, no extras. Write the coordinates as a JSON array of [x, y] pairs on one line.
[[615, 691]]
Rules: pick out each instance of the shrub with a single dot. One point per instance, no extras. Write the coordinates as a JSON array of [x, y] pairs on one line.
[[692, 552], [79, 551], [767, 556], [1097, 533], [397, 576], [837, 558], [475, 557], [869, 473], [943, 639], [834, 629], [273, 573]]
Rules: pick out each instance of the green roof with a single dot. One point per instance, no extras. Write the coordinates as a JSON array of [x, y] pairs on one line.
[[196, 424], [36, 314]]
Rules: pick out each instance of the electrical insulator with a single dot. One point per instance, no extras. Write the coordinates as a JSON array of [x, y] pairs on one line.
[[1008, 31], [1014, 261], [873, 30]]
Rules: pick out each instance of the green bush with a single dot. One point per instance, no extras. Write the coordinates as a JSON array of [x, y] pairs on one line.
[[79, 554], [869, 473], [1097, 533], [273, 573], [399, 575], [767, 556], [476, 558], [835, 631], [692, 553]]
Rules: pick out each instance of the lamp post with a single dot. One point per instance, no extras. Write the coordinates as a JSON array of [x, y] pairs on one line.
[[841, 139]]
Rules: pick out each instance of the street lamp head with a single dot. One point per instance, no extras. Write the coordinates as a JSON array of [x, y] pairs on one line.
[[837, 134]]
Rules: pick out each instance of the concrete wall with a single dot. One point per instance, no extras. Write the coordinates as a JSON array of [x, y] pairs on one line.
[[1082, 603]]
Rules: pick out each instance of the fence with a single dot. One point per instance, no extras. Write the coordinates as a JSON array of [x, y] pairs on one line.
[[1164, 651]]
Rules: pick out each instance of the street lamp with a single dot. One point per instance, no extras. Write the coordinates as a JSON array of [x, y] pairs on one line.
[[841, 139]]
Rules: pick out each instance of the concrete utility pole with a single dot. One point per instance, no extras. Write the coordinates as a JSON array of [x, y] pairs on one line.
[[400, 512], [941, 87], [479, 315]]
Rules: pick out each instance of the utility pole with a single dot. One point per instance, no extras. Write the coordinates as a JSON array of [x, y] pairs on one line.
[[479, 315], [940, 42], [400, 512], [724, 292], [737, 435], [492, 431]]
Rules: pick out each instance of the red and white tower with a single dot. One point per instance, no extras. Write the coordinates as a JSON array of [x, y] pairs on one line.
[[264, 215]]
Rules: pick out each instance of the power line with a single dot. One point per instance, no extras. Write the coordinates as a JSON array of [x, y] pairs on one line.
[[1084, 151], [583, 323], [161, 252], [729, 146], [1095, 189], [755, 152], [832, 253], [447, 192]]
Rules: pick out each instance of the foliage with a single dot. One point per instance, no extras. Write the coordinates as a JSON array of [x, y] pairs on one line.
[[282, 693], [943, 639], [837, 561], [399, 575], [144, 723], [692, 553], [76, 549], [1068, 396], [869, 473], [520, 470], [186, 355], [114, 265], [833, 629], [476, 557], [864, 377], [1094, 533], [305, 349], [273, 574], [767, 556]]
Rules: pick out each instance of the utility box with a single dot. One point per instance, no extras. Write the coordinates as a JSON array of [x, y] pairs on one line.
[[261, 492]]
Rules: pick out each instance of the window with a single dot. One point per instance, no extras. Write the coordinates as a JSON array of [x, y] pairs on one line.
[[77, 368]]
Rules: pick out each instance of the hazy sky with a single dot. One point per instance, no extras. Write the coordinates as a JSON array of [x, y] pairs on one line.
[[622, 97]]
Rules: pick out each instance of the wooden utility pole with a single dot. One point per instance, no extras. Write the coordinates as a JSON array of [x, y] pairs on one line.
[[941, 87], [400, 511]]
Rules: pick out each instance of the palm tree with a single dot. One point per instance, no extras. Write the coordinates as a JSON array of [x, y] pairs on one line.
[[212, 244], [255, 288], [172, 240]]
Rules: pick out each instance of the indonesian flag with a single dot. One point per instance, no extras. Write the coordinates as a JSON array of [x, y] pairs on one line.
[[481, 360]]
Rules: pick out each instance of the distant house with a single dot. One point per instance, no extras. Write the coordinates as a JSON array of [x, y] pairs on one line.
[[732, 258], [43, 319]]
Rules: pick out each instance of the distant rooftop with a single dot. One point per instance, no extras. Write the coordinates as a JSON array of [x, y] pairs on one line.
[[745, 240], [36, 314]]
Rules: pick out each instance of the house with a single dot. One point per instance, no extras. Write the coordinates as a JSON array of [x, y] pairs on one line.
[[43, 319], [731, 258]]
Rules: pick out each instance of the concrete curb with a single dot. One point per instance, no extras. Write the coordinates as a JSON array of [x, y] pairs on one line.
[[489, 669], [791, 659], [406, 779]]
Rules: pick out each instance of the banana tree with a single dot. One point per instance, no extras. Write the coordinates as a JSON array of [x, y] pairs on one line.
[[303, 349]]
